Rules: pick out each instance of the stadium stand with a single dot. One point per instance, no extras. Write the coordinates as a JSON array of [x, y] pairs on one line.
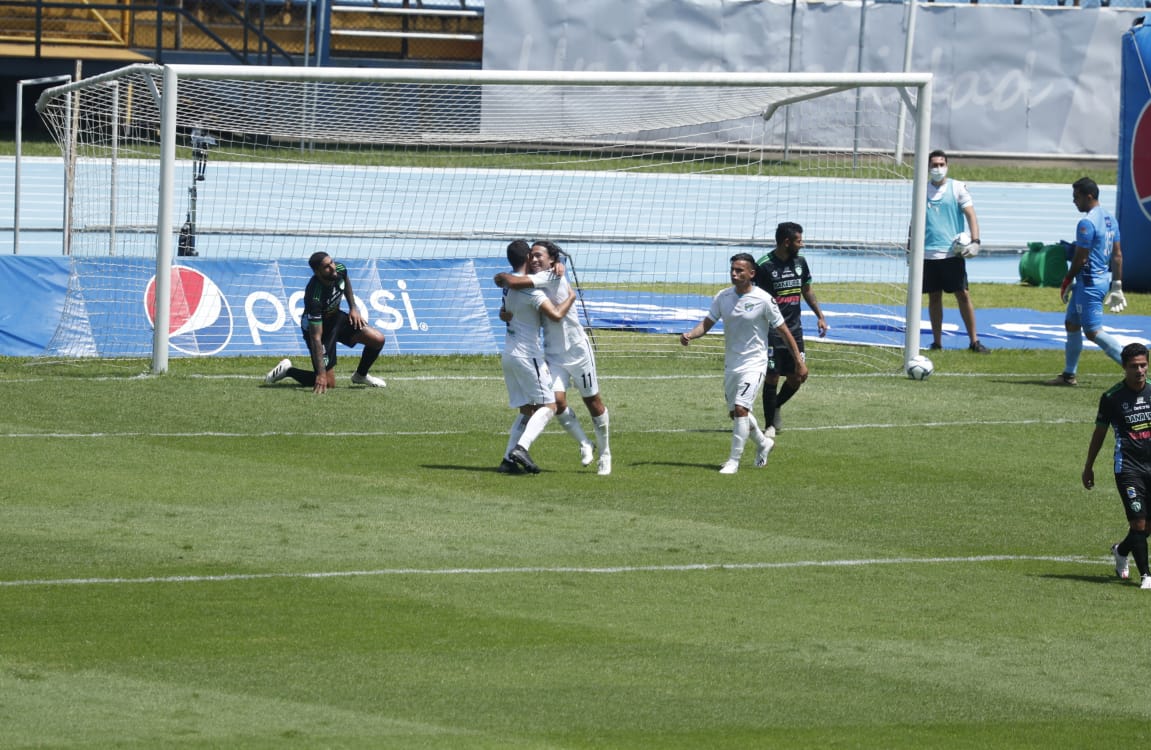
[[425, 30], [444, 32]]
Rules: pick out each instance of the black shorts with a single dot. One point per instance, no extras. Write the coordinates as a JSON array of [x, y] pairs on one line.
[[779, 359], [336, 329], [945, 275], [1133, 492]]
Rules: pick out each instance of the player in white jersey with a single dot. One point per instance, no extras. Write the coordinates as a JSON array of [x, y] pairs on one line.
[[526, 373], [748, 314], [568, 352]]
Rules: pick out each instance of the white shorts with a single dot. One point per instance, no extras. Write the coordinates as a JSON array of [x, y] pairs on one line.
[[575, 367], [741, 387], [529, 381]]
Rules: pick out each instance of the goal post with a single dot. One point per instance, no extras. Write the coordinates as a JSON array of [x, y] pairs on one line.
[[198, 190]]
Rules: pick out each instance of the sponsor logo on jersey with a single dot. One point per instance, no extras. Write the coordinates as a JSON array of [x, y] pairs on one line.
[[200, 319]]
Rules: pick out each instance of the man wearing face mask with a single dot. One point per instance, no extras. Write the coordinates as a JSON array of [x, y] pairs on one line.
[[783, 273], [945, 259]]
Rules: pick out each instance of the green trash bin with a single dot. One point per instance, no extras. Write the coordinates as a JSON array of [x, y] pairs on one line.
[[1044, 265]]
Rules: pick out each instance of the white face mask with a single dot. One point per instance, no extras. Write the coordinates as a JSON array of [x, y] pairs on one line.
[[938, 173]]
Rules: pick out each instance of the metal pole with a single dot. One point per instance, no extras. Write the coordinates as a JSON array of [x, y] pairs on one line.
[[73, 133], [918, 223], [16, 192], [19, 144], [307, 31], [115, 168], [908, 45], [790, 68], [858, 92], [164, 224]]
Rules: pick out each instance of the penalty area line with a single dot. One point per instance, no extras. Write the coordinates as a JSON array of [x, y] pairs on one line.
[[544, 570]]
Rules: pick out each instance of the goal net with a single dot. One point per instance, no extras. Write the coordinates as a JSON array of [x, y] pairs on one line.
[[197, 193]]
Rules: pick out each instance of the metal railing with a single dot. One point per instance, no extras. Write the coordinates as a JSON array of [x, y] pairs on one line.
[[267, 32], [242, 30]]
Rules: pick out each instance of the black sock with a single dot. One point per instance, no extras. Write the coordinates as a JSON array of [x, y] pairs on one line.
[[769, 405], [785, 394], [303, 377], [367, 359], [1137, 542]]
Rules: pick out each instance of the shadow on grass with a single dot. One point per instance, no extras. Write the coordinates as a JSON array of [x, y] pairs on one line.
[[1043, 383], [713, 466], [1105, 578]]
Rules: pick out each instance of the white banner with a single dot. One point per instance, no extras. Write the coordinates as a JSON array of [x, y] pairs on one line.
[[1009, 79]]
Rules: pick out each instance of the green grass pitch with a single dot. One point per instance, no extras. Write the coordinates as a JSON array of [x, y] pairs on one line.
[[199, 561]]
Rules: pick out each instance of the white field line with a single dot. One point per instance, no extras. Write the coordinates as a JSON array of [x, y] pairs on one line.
[[430, 433], [495, 378], [617, 570]]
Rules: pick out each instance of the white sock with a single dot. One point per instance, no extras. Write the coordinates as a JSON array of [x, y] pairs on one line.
[[600, 425], [754, 432], [539, 420], [739, 433], [514, 433], [570, 422]]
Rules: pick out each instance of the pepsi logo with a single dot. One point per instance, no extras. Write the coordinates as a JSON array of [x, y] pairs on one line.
[[1140, 160], [200, 320]]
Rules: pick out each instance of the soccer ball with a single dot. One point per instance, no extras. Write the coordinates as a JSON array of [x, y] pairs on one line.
[[920, 368]]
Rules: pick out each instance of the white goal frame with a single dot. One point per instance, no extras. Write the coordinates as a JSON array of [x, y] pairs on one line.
[[915, 91]]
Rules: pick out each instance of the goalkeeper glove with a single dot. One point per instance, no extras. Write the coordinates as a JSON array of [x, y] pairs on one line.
[[1115, 301], [971, 249], [1065, 288]]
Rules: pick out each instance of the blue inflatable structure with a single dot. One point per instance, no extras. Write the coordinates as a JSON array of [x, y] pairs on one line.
[[1133, 197]]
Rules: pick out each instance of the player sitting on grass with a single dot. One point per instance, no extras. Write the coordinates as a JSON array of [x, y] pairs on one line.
[[324, 323]]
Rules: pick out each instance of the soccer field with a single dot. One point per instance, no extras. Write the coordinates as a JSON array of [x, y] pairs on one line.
[[201, 561]]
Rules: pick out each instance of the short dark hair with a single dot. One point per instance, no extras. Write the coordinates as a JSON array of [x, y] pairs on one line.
[[745, 256], [787, 230], [940, 152], [315, 259], [1086, 186], [1131, 351], [518, 252]]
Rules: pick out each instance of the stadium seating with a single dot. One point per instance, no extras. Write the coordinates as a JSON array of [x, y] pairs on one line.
[[423, 30]]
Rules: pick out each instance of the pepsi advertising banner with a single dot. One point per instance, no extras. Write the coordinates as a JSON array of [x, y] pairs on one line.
[[1133, 196], [225, 307]]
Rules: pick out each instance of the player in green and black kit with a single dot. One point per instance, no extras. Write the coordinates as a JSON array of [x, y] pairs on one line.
[[783, 273], [1126, 408], [324, 323]]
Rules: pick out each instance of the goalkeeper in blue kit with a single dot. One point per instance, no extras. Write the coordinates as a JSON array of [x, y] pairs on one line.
[[1094, 281]]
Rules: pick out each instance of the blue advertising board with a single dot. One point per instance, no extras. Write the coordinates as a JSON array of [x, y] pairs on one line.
[[449, 306], [228, 307]]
